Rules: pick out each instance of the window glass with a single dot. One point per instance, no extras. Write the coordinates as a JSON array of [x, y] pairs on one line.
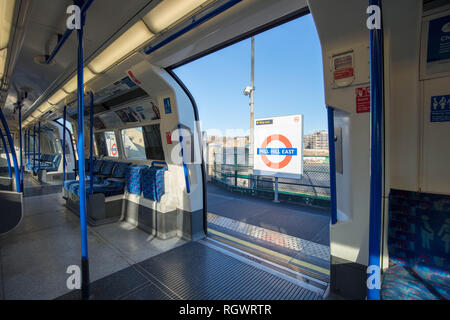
[[50, 142], [133, 143], [153, 143], [106, 144]]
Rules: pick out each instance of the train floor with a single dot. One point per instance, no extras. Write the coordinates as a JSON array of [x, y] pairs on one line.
[[35, 256], [128, 263]]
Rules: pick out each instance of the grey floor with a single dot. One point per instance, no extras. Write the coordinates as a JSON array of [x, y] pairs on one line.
[[34, 257]]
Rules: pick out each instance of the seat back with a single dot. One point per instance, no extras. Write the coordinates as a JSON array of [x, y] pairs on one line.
[[107, 167], [120, 169], [133, 179], [419, 233], [153, 183], [98, 166]]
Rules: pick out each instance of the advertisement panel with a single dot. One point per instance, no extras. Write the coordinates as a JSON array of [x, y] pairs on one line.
[[278, 147]]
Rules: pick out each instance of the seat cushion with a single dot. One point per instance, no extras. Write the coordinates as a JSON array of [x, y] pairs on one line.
[[106, 187], [399, 284]]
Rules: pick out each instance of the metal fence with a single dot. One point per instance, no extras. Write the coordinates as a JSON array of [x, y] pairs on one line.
[[312, 188]]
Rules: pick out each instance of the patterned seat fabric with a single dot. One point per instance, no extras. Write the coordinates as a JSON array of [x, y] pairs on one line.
[[133, 179], [98, 165], [106, 187], [68, 183], [153, 183], [48, 162], [120, 169], [419, 247], [107, 167]]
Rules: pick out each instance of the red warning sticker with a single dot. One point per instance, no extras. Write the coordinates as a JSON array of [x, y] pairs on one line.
[[343, 73], [363, 99], [169, 138]]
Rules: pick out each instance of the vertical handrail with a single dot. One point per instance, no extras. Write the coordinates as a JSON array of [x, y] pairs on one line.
[[39, 145], [186, 172], [6, 153], [28, 146], [376, 149], [20, 144], [64, 143], [332, 160], [34, 147], [81, 165], [13, 151], [91, 144]]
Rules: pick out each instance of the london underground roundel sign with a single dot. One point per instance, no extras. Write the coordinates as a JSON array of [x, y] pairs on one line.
[[278, 145], [114, 149]]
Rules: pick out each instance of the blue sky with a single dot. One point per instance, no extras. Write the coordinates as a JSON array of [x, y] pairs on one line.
[[288, 79]]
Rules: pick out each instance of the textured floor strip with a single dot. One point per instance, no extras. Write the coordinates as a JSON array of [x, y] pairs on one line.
[[272, 253], [280, 239]]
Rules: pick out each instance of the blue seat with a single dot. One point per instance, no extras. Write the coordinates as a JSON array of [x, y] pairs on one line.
[[153, 183], [419, 247], [107, 167], [133, 179], [108, 188], [120, 170]]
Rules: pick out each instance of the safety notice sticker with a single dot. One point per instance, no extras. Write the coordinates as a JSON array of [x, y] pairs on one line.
[[363, 99], [440, 108]]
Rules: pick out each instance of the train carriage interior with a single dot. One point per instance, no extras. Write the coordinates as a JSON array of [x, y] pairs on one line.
[[103, 172]]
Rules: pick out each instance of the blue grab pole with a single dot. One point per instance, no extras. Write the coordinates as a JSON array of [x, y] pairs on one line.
[[376, 149], [186, 172], [332, 152], [11, 147], [81, 163], [20, 145], [91, 145], [34, 147], [26, 147], [39, 146], [6, 153], [64, 144]]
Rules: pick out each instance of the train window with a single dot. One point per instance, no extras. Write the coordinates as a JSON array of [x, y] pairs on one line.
[[50, 142], [153, 143], [106, 144], [133, 144]]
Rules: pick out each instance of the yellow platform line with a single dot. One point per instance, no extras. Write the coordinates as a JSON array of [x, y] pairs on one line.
[[271, 252]]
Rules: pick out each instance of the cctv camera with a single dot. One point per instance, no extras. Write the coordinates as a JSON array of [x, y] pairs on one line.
[[247, 90]]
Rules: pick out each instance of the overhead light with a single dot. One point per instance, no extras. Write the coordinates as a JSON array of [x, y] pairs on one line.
[[72, 84], [2, 62], [36, 114], [45, 107], [57, 97], [134, 37], [169, 11], [6, 17]]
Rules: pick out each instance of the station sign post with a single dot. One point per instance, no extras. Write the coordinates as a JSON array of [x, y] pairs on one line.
[[278, 148]]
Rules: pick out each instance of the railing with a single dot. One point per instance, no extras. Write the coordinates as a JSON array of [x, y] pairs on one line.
[[313, 188]]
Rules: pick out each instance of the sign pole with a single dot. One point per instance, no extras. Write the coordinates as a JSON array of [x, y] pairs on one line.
[[276, 191]]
